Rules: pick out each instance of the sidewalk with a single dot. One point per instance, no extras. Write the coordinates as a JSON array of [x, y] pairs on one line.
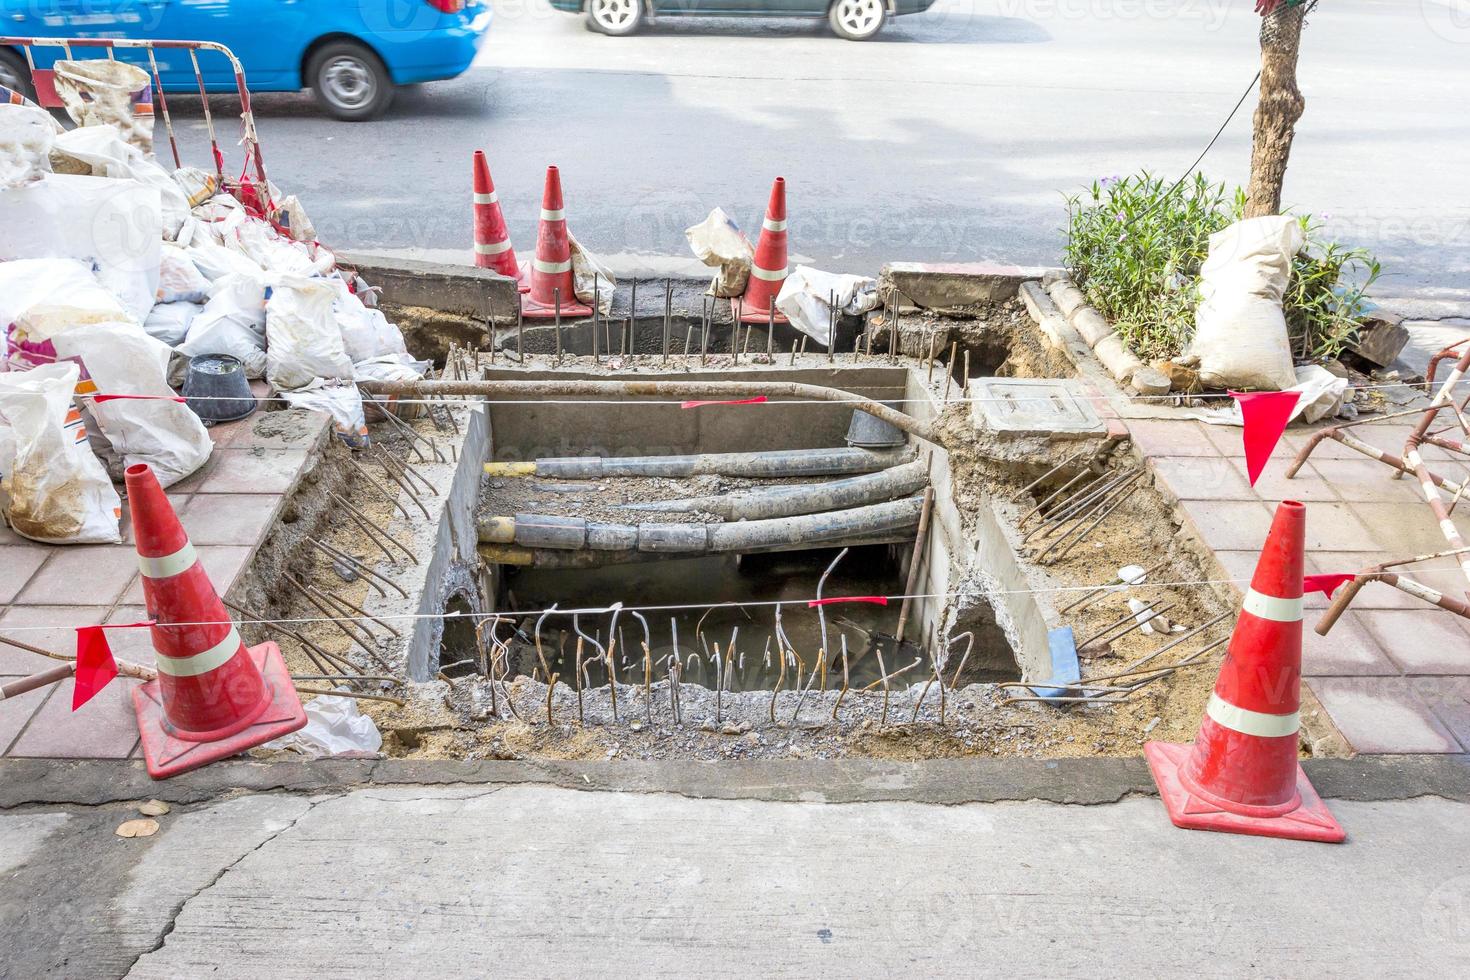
[[1394, 673]]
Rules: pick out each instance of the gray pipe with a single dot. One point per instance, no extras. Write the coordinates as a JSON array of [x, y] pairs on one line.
[[807, 498], [551, 532], [791, 462], [550, 558]]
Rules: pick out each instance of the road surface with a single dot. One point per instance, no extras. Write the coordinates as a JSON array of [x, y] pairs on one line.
[[954, 136]]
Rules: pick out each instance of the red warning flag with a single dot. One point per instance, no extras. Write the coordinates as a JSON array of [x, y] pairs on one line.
[[1326, 584], [95, 666], [1265, 414]]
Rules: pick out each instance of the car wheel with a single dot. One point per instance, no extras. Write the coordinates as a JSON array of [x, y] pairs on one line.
[[350, 81], [15, 75], [617, 18], [856, 20]]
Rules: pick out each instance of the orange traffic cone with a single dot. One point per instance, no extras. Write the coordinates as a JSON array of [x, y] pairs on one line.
[[768, 270], [213, 697], [492, 237], [551, 272], [1241, 776]]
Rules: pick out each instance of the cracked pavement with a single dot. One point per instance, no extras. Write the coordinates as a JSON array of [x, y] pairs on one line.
[[527, 879]]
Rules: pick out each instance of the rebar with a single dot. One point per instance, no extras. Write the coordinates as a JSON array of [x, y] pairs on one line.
[[359, 564], [921, 540], [1102, 514], [351, 694], [406, 470], [391, 497], [821, 583], [841, 639], [368, 523], [401, 485], [955, 680]]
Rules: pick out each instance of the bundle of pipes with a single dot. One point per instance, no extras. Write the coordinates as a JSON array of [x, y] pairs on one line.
[[796, 462], [552, 541]]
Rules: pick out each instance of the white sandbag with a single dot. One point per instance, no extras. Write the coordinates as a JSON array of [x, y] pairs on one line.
[[179, 279], [366, 333], [232, 226], [591, 278], [1240, 339], [123, 360], [198, 185], [102, 152], [291, 215], [54, 489], [303, 341], [391, 367], [114, 225], [26, 134], [100, 91], [806, 293], [719, 243], [215, 262], [169, 322], [340, 400], [232, 322], [42, 297]]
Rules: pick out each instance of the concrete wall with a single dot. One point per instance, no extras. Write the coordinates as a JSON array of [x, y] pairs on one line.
[[523, 432], [452, 568]]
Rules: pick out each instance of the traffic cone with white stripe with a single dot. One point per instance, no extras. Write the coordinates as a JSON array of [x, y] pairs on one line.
[[1241, 776], [492, 237], [768, 269], [213, 697], [551, 271]]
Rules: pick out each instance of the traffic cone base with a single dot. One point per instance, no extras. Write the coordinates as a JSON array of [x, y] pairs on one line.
[[1194, 809], [168, 751], [570, 308], [745, 313]]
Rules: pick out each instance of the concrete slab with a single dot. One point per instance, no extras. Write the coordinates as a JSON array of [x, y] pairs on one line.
[[1031, 406]]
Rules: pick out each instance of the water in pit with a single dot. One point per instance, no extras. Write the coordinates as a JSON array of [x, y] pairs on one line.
[[790, 576]]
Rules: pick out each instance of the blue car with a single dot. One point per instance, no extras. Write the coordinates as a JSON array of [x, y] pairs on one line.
[[351, 54]]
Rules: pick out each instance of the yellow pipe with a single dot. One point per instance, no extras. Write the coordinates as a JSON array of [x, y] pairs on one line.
[[510, 469]]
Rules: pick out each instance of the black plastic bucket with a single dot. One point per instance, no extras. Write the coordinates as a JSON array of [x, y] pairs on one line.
[[216, 388]]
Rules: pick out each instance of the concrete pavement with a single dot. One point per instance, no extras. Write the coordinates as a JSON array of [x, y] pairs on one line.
[[552, 875], [528, 880], [953, 136]]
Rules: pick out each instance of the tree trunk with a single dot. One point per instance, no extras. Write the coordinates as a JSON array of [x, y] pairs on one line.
[[1279, 108]]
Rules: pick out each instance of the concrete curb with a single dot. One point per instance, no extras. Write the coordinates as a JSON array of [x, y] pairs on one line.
[[27, 782], [1099, 334], [952, 286], [463, 290]]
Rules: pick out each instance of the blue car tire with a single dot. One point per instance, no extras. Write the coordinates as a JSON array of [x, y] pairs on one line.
[[350, 81]]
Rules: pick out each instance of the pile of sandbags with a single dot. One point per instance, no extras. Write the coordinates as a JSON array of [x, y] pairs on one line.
[[115, 271]]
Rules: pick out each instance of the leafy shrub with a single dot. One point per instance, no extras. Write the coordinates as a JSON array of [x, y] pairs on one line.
[[1135, 250]]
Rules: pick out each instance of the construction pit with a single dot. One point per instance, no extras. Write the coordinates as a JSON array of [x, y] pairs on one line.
[[659, 556]]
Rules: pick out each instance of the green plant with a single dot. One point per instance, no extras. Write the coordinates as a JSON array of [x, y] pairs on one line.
[[1135, 250]]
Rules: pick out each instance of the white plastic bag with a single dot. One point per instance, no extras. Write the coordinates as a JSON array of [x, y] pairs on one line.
[[591, 278], [341, 401], [391, 367], [232, 322], [303, 341], [1240, 339], [42, 297], [100, 91], [805, 295], [116, 226], [719, 243], [123, 360], [334, 726], [366, 333], [215, 262], [26, 134], [102, 152], [179, 279], [169, 322], [54, 489]]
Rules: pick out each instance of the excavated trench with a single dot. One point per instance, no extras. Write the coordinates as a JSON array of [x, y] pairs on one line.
[[669, 601]]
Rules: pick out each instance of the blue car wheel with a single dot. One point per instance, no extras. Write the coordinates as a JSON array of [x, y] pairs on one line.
[[350, 81]]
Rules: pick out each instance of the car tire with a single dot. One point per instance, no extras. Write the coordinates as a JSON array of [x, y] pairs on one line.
[[15, 74], [350, 82], [615, 18], [857, 20]]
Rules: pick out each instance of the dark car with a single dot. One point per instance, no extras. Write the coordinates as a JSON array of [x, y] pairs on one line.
[[856, 20]]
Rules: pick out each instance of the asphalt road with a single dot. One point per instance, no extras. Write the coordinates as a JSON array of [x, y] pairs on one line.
[[952, 137]]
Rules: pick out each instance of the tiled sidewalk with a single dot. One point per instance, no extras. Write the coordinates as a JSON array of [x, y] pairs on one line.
[[1394, 673], [228, 507]]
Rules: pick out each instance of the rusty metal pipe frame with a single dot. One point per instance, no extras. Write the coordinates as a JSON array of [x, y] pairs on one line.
[[1380, 573], [652, 389]]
